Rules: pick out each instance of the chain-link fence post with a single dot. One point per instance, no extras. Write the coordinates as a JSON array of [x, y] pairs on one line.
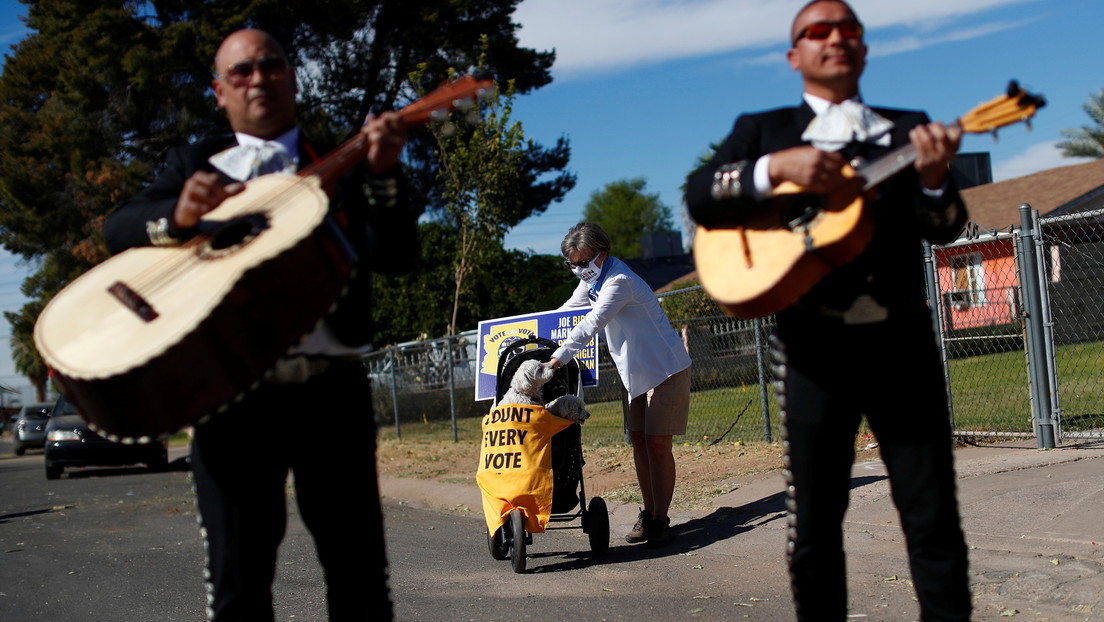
[[394, 390], [931, 279], [452, 388], [1039, 368], [761, 364]]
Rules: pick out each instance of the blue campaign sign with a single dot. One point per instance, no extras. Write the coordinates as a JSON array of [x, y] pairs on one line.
[[496, 335]]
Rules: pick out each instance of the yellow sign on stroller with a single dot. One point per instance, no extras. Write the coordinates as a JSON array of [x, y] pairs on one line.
[[530, 462], [515, 464]]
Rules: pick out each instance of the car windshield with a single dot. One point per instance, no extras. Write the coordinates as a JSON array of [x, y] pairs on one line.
[[64, 407], [35, 412]]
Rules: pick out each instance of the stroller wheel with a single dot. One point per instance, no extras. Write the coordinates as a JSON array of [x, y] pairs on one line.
[[497, 545], [598, 527], [517, 546]]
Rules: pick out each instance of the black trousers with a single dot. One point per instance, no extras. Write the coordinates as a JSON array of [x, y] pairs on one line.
[[323, 432], [833, 374]]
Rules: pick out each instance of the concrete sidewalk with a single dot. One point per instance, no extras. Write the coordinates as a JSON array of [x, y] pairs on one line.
[[1034, 521]]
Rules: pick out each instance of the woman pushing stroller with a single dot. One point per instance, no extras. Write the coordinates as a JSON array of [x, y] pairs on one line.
[[650, 358]]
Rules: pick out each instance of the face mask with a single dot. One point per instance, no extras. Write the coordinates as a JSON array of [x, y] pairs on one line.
[[588, 274]]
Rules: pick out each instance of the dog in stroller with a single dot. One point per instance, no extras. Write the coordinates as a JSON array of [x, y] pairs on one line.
[[527, 387], [531, 459]]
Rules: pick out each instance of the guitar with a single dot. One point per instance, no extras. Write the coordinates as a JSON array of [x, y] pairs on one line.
[[157, 338], [780, 252]]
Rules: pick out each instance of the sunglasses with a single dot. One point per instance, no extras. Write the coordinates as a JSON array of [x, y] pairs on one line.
[[817, 31], [240, 73], [579, 264]]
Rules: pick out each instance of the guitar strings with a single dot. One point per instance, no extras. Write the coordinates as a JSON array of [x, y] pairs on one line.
[[161, 273], [175, 264]]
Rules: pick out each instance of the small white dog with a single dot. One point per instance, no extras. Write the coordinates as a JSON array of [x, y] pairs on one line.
[[525, 388], [569, 407]]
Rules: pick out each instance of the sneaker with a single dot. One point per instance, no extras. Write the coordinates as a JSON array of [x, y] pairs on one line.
[[641, 529], [659, 534]]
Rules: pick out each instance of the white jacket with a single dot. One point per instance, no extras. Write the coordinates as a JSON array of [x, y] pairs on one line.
[[644, 347]]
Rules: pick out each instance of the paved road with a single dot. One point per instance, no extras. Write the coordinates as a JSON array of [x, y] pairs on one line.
[[446, 573], [110, 544], [1032, 520], [121, 544]]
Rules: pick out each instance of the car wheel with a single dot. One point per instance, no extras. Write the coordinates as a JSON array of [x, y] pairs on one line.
[[17, 447], [159, 463], [53, 472]]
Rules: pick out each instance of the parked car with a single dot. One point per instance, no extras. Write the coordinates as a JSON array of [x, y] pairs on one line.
[[71, 443], [30, 428]]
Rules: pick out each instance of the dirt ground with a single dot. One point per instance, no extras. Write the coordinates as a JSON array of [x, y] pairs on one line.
[[703, 471]]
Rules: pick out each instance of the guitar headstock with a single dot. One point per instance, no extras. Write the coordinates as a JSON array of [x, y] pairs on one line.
[[456, 95], [1014, 106]]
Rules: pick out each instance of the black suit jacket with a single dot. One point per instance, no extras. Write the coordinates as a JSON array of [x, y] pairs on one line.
[[890, 268], [379, 233]]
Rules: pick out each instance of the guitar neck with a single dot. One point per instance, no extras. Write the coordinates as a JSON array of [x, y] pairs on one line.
[[338, 161], [444, 99], [889, 165]]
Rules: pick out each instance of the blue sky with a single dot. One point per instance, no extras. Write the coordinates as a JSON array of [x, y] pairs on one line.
[[642, 87]]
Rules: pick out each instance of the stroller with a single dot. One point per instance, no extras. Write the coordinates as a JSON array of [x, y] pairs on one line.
[[568, 495]]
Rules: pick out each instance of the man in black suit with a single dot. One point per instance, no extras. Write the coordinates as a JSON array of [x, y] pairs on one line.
[[294, 420], [859, 342]]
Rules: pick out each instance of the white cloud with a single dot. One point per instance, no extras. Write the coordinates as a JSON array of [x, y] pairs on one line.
[[1038, 157], [912, 42], [605, 35], [609, 34]]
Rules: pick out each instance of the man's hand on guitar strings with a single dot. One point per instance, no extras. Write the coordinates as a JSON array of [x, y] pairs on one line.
[[202, 193], [936, 145], [809, 167], [386, 136]]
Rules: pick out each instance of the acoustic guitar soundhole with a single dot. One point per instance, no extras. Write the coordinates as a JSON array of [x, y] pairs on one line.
[[234, 234]]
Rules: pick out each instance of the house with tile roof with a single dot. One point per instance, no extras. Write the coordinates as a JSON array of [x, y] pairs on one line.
[[977, 275], [1057, 191]]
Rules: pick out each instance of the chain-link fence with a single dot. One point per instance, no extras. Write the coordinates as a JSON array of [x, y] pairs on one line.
[[1020, 318], [1072, 270]]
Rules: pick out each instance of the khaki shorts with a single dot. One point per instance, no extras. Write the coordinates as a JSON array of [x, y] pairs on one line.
[[664, 410]]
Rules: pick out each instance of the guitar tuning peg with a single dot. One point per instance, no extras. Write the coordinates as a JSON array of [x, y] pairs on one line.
[[473, 116], [484, 95], [465, 103], [996, 138], [448, 129], [440, 115], [1027, 122]]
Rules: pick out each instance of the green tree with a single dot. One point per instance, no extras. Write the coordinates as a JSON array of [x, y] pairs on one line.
[[511, 282], [487, 186], [1088, 140], [690, 305], [24, 354], [97, 92], [627, 213]]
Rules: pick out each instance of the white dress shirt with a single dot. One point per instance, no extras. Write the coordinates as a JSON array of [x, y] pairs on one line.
[[879, 134], [644, 347], [237, 162]]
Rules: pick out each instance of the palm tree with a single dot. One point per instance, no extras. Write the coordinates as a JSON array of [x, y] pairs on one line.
[[24, 354], [1087, 141]]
